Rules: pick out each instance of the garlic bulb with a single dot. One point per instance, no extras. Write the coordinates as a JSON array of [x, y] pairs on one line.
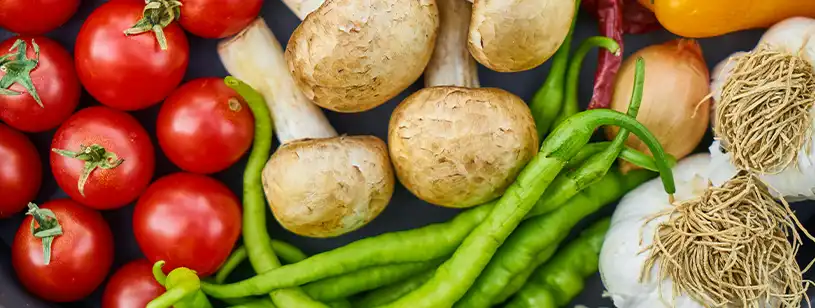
[[796, 181], [620, 257]]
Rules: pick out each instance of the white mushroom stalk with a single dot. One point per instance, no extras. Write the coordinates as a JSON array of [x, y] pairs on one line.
[[788, 102], [451, 63], [317, 184], [256, 57], [302, 8], [352, 56], [518, 35], [453, 144]]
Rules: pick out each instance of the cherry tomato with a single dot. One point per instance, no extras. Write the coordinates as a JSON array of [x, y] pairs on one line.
[[116, 144], [80, 257], [218, 18], [132, 286], [188, 220], [54, 81], [205, 126], [35, 17], [128, 72], [20, 171]]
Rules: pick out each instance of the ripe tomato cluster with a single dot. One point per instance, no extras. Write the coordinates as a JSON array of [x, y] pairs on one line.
[[103, 158]]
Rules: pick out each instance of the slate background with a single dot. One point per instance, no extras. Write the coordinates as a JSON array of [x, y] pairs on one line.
[[404, 212]]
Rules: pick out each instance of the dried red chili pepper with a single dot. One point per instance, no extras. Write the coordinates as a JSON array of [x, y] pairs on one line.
[[615, 17]]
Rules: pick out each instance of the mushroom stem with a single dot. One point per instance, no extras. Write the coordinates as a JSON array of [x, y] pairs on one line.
[[256, 57], [452, 64], [302, 8]]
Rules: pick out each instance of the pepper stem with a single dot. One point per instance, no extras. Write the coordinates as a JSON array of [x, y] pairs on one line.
[[157, 14], [94, 156], [48, 228], [158, 273], [17, 68]]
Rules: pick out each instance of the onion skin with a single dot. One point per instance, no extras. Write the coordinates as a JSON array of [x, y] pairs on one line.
[[675, 106]]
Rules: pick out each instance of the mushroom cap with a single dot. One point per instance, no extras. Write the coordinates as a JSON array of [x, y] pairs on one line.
[[518, 35], [460, 147], [330, 186], [354, 55]]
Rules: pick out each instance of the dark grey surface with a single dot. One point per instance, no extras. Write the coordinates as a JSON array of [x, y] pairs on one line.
[[405, 210]]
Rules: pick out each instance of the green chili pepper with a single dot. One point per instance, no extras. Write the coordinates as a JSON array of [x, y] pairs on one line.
[[392, 292], [536, 235], [628, 154], [255, 236], [548, 101], [454, 277], [568, 185], [558, 281], [183, 289], [570, 105], [353, 283], [262, 303], [519, 280], [525, 247], [288, 252]]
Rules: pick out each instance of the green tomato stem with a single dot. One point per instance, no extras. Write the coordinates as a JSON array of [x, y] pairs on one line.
[[48, 228], [17, 68], [157, 15], [94, 156]]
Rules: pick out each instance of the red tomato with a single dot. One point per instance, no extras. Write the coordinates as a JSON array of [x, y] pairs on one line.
[[20, 171], [128, 72], [80, 258], [218, 18], [205, 126], [34, 17], [54, 80], [187, 220], [123, 139], [133, 286]]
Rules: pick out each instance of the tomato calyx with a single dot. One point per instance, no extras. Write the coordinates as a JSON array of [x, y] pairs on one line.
[[157, 15], [182, 284], [94, 156], [48, 229], [18, 67]]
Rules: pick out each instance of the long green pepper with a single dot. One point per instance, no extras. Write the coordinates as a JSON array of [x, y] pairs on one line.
[[548, 101], [568, 185], [353, 283], [455, 276], [255, 236], [570, 105], [519, 280], [392, 292], [288, 252], [558, 281], [524, 246]]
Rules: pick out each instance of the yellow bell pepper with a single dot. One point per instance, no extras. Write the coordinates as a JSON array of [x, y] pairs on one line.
[[706, 18]]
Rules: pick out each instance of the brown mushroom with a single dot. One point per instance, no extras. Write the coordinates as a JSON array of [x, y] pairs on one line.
[[354, 55], [518, 35], [318, 184], [458, 146]]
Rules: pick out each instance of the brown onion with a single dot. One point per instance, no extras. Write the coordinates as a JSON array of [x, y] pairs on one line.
[[675, 103]]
